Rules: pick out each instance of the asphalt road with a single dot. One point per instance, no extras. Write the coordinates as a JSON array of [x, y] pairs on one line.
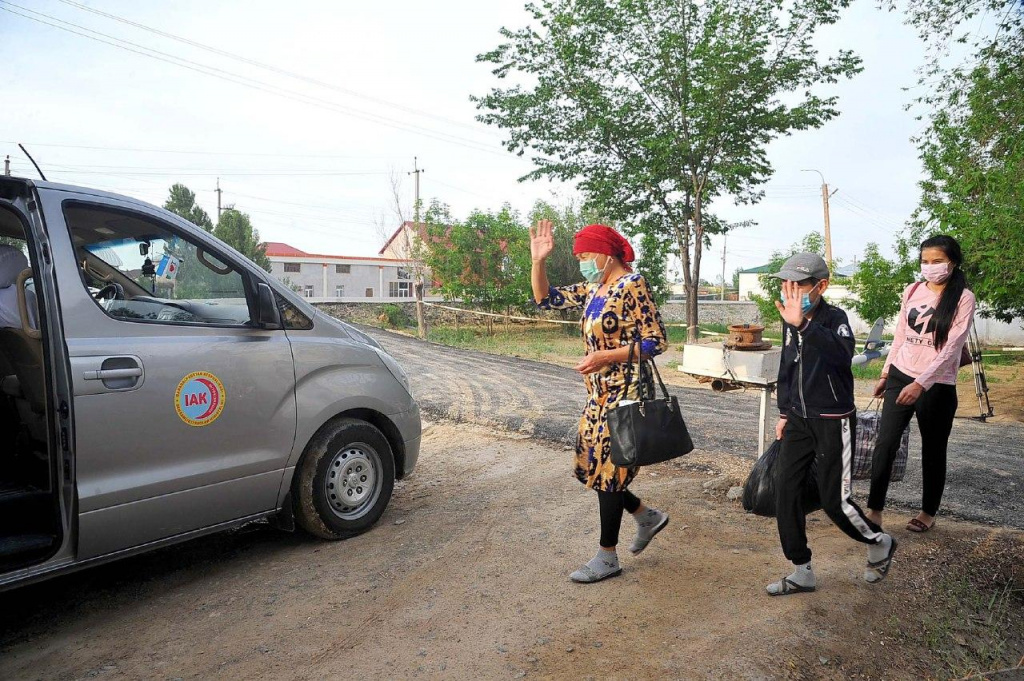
[[985, 478]]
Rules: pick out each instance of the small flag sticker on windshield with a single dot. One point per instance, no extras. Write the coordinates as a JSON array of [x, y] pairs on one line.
[[168, 267]]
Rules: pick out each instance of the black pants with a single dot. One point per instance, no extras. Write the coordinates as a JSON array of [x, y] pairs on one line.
[[612, 504], [934, 409], [830, 442]]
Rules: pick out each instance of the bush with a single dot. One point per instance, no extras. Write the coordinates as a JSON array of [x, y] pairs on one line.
[[394, 316]]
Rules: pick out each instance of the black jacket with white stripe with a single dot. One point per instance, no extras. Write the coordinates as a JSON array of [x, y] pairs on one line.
[[815, 378]]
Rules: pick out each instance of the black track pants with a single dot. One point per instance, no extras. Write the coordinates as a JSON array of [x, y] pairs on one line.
[[612, 504], [934, 410], [830, 442]]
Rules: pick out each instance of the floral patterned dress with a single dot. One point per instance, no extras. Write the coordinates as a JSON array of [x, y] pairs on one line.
[[611, 321]]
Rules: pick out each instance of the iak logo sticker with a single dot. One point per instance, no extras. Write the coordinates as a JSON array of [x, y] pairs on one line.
[[199, 399]]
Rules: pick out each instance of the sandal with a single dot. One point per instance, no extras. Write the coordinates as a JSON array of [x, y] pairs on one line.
[[586, 575], [877, 571], [916, 525], [786, 587]]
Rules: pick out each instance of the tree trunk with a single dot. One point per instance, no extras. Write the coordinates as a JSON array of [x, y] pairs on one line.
[[692, 316], [691, 275], [421, 319]]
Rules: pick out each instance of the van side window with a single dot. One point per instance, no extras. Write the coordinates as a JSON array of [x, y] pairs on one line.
[[293, 317], [137, 268]]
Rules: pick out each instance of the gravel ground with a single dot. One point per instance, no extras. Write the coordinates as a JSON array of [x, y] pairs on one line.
[[986, 460]]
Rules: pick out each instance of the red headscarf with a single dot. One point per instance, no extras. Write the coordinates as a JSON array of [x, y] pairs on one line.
[[604, 240]]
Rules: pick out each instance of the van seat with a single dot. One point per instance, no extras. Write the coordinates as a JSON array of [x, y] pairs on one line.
[[24, 354], [11, 386]]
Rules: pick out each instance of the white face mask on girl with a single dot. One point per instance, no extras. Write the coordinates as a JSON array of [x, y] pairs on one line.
[[938, 273]]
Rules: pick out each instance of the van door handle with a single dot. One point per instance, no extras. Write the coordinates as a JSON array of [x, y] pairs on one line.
[[108, 374], [117, 373]]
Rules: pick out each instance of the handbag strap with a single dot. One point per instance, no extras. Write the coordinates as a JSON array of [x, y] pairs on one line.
[[640, 360], [912, 290]]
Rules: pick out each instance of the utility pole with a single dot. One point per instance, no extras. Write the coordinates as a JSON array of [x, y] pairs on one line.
[[7, 165], [219, 192], [421, 320], [725, 235], [828, 229]]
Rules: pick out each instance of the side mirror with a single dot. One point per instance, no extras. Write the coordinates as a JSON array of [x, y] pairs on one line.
[[267, 314]]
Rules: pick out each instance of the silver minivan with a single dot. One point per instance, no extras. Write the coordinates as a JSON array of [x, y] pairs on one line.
[[157, 385]]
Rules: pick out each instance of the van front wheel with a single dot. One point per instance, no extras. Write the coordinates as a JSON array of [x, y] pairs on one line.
[[344, 480]]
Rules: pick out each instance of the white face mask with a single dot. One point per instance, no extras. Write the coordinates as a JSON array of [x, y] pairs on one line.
[[938, 273]]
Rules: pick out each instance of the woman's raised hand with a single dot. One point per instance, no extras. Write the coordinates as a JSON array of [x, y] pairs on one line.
[[542, 243]]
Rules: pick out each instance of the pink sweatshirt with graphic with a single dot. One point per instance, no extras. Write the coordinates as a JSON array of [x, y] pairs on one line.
[[913, 348]]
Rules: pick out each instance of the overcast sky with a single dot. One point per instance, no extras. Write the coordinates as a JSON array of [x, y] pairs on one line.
[[308, 153]]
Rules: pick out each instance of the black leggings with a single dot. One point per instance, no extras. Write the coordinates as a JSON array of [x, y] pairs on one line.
[[612, 504], [934, 409]]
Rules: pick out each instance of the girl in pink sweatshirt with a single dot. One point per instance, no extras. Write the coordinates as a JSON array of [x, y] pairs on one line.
[[919, 377]]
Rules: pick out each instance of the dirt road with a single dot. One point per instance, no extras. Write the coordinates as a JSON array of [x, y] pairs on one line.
[[465, 577], [986, 460]]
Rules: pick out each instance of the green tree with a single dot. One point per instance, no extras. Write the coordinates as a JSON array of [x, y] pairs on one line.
[[974, 159], [971, 149], [235, 229], [813, 242], [563, 267], [652, 261], [658, 107], [483, 261], [879, 282], [182, 202]]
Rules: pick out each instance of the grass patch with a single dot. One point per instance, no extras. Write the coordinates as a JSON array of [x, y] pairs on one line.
[[871, 371], [994, 359], [676, 334], [964, 608], [715, 328], [517, 341], [969, 636]]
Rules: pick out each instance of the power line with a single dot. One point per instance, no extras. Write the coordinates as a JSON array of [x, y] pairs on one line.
[[875, 217], [186, 173], [850, 199], [868, 220], [175, 169], [245, 81], [271, 68], [197, 152]]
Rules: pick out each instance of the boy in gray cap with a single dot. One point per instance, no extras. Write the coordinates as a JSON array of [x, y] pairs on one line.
[[817, 420]]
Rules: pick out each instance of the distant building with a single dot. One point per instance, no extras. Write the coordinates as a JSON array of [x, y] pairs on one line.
[[750, 281], [403, 242], [341, 278]]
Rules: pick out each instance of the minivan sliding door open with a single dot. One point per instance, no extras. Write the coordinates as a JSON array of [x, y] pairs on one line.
[[30, 520]]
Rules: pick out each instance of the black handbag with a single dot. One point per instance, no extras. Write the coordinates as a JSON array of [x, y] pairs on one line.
[[650, 430]]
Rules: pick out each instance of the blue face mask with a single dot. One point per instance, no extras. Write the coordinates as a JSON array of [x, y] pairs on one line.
[[805, 303], [590, 272]]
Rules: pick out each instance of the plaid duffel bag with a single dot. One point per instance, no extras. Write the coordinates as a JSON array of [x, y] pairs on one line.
[[867, 433]]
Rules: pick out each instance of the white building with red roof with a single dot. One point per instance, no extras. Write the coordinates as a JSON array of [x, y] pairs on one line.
[[322, 277]]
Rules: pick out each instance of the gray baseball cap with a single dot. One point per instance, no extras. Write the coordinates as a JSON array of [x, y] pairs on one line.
[[803, 266]]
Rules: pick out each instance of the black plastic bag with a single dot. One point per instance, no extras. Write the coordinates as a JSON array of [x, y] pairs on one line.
[[759, 490]]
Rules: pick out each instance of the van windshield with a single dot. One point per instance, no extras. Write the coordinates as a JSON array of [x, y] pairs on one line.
[[156, 264], [137, 268]]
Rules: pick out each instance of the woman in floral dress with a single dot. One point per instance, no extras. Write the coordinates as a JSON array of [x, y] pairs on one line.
[[618, 308]]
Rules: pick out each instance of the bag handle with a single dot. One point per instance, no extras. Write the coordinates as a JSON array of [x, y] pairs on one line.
[[640, 360]]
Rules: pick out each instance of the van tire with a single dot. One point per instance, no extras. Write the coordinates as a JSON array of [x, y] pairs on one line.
[[343, 445]]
